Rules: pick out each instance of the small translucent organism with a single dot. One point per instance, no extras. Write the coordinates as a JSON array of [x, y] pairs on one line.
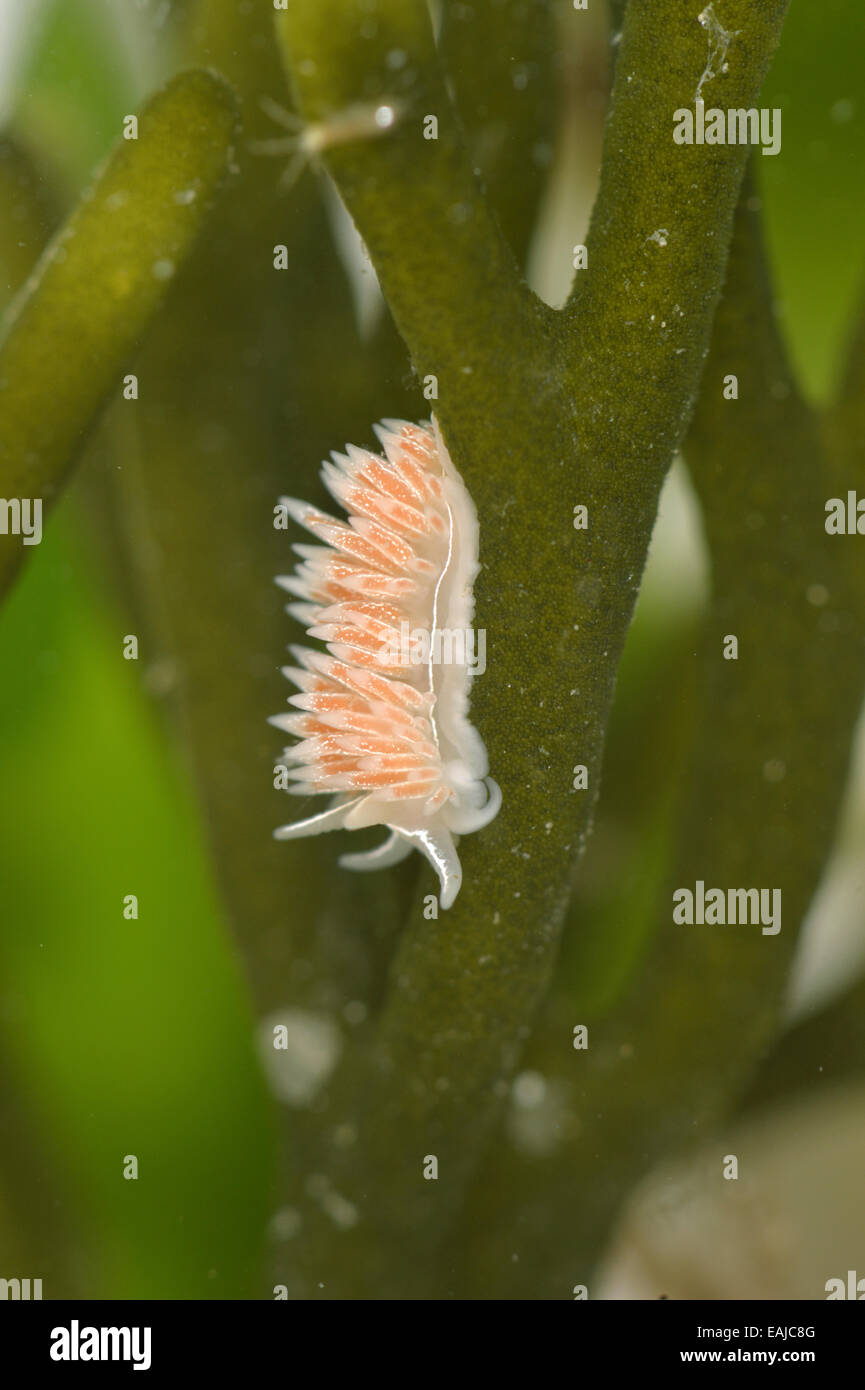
[[305, 142]]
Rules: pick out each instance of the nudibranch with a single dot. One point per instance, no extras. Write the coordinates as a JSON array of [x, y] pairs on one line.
[[382, 714]]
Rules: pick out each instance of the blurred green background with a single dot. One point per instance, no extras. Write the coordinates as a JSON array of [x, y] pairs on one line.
[[136, 1037]]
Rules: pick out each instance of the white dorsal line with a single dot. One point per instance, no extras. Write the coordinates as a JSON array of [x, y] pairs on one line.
[[423, 778], [434, 625]]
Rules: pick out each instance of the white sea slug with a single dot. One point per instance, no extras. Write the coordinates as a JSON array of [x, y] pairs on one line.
[[383, 725]]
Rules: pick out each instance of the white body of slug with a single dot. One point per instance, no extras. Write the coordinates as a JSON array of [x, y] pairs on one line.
[[388, 738]]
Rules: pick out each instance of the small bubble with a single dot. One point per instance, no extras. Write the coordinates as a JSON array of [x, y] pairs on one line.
[[842, 111], [163, 270], [342, 1213], [774, 770], [300, 1050], [529, 1090], [817, 594], [160, 676], [285, 1223]]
